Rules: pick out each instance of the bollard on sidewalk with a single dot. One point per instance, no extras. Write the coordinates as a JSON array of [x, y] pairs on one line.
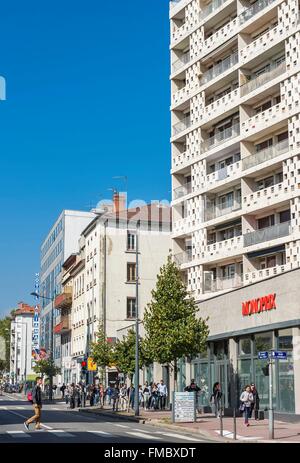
[[234, 424], [221, 421]]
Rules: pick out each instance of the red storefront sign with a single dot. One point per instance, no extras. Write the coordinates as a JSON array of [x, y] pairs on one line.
[[261, 304]]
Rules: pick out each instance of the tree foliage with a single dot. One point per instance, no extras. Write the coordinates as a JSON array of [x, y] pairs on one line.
[[173, 329], [5, 334], [124, 354], [46, 368], [102, 350]]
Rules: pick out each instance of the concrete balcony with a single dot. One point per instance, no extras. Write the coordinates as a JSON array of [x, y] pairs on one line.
[[267, 196], [223, 174], [265, 155], [223, 284], [181, 62], [220, 106], [269, 117], [220, 37], [183, 257], [181, 126], [180, 226], [263, 43], [177, 5], [182, 191], [212, 213], [264, 78], [267, 234], [221, 137], [181, 160], [211, 8], [220, 68], [257, 275], [182, 95], [253, 10], [223, 249], [64, 300], [63, 326]]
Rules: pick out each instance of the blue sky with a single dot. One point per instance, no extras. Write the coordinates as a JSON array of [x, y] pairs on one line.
[[87, 99]]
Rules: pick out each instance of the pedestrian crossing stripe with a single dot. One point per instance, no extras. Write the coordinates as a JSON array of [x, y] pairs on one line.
[[60, 433], [102, 433], [180, 436], [18, 434], [144, 436]]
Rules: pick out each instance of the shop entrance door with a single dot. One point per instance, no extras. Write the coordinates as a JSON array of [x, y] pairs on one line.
[[222, 378]]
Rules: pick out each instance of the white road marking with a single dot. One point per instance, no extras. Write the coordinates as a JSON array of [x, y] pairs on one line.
[[143, 436], [102, 433], [229, 434], [121, 426], [60, 433], [20, 408], [180, 436], [142, 430], [45, 426], [3, 408], [21, 434]]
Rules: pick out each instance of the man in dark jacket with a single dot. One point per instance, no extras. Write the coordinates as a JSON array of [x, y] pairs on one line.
[[192, 387], [37, 405], [255, 403]]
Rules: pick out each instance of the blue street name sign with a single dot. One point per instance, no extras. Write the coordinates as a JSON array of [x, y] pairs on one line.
[[263, 355], [279, 355]]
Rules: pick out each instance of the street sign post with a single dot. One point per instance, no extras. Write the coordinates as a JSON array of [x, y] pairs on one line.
[[271, 356]]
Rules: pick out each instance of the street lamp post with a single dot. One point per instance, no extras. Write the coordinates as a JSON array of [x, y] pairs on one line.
[[51, 338], [137, 357]]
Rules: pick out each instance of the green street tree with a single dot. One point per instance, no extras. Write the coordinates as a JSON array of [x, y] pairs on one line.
[[173, 329], [46, 367], [124, 354], [102, 352], [5, 334]]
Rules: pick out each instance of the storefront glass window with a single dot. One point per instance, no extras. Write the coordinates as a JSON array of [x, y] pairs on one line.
[[221, 350], [286, 393], [285, 340], [245, 346], [262, 383], [245, 373], [263, 342], [203, 383], [181, 374]]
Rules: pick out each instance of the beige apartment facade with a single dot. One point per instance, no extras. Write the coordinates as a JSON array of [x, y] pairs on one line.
[[235, 75]]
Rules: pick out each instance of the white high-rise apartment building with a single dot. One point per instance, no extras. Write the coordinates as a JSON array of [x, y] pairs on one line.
[[235, 140], [235, 76]]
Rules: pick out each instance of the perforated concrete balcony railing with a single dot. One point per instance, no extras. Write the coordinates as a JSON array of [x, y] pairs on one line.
[[267, 234], [182, 191], [254, 84], [267, 194], [180, 225], [266, 154], [181, 160], [223, 248], [252, 277], [220, 105], [221, 36], [268, 117], [183, 257], [262, 43], [219, 68], [212, 213], [222, 284], [222, 174], [183, 94], [221, 137]]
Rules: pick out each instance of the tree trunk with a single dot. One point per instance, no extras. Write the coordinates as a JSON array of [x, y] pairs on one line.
[[175, 375]]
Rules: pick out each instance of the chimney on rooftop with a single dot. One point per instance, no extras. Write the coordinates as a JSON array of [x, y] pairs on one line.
[[119, 200]]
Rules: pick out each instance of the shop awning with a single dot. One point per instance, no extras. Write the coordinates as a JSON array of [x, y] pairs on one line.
[[266, 252]]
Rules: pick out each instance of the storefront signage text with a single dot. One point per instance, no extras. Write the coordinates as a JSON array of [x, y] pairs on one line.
[[259, 305]]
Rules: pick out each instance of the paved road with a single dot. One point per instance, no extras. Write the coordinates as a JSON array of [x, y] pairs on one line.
[[62, 425]]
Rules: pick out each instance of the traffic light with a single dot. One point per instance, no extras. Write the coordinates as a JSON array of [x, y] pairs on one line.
[[83, 366], [265, 370]]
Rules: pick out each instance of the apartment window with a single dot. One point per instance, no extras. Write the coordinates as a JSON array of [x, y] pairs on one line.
[[226, 201], [268, 262], [131, 307], [264, 145], [282, 136], [285, 216], [131, 240], [131, 272], [266, 222], [263, 107], [228, 271], [265, 183]]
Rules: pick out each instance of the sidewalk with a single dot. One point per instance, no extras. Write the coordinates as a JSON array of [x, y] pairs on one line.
[[209, 426]]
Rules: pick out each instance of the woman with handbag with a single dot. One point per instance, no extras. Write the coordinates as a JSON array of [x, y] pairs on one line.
[[246, 402]]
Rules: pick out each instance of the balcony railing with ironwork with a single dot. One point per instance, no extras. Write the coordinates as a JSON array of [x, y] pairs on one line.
[[181, 125], [64, 300], [221, 137], [267, 234], [266, 154], [264, 78], [219, 68]]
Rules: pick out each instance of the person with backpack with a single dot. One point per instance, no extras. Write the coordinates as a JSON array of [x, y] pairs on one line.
[[36, 399], [246, 402]]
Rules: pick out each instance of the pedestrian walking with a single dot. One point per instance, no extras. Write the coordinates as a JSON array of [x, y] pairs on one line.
[[37, 405], [162, 394], [246, 402], [72, 396], [146, 395], [216, 399], [115, 397], [123, 397], [62, 390], [130, 393], [101, 395], [154, 397], [108, 394], [255, 403]]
